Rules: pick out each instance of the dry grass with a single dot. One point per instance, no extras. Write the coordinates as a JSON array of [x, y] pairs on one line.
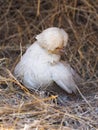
[[20, 21]]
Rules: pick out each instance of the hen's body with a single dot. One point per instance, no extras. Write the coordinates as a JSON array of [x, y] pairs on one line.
[[34, 67], [40, 68]]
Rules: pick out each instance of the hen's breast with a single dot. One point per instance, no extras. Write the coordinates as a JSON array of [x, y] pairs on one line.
[[42, 73], [34, 68]]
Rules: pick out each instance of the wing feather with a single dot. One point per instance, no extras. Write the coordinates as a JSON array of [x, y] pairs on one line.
[[62, 75]]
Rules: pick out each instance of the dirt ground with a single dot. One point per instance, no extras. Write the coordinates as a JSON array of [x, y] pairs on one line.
[[20, 22]]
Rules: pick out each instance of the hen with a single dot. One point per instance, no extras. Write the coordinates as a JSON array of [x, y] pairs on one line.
[[41, 64]]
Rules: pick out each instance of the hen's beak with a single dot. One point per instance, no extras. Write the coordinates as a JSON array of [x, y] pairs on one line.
[[62, 50]]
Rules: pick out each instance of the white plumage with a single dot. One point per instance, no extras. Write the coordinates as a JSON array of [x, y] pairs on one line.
[[40, 66]]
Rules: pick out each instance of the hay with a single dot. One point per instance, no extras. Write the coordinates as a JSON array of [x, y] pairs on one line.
[[20, 21]]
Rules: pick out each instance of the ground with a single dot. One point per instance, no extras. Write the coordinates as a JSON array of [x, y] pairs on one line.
[[20, 22]]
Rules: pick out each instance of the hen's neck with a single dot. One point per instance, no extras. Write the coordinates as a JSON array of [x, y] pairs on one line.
[[53, 58]]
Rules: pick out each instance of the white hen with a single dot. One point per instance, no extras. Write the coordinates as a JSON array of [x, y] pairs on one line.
[[40, 66]]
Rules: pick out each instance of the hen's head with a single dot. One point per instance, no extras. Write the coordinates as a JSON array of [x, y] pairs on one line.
[[53, 39]]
